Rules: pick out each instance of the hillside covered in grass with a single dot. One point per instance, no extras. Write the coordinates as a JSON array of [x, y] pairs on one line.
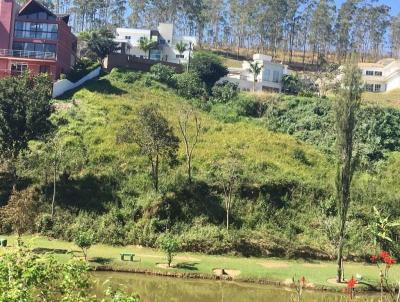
[[284, 204]]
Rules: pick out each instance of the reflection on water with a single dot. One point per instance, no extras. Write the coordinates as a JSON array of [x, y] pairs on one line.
[[164, 289]]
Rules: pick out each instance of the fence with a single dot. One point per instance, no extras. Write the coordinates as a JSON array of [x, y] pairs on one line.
[[27, 54], [62, 86]]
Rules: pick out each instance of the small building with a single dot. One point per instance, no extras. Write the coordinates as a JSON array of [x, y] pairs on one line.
[[166, 40], [381, 76], [269, 79], [34, 39]]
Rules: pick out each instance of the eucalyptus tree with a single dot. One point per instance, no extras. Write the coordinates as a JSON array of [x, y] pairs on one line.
[[344, 27], [395, 36], [347, 105], [321, 30]]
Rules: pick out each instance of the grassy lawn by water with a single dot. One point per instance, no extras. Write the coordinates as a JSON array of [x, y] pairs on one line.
[[316, 272]]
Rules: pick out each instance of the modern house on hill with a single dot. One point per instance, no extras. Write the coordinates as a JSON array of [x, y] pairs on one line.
[[165, 43], [270, 78], [381, 76], [35, 39]]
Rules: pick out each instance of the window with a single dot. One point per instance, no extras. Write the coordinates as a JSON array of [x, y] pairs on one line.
[[18, 68], [34, 50], [155, 54], [266, 75], [127, 37], [369, 73], [38, 16], [369, 87], [179, 56], [276, 76], [378, 73], [377, 87], [44, 69], [36, 30]]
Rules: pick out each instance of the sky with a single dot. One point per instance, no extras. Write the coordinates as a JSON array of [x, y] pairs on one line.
[[394, 4]]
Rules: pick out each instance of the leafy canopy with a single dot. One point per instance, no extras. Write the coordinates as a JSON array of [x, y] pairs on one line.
[[24, 112], [99, 43], [208, 67]]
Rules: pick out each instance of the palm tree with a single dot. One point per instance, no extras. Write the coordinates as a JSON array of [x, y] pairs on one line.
[[255, 69], [147, 44], [181, 48]]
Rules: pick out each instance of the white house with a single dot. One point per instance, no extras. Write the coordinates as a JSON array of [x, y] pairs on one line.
[[270, 78], [381, 76], [165, 50]]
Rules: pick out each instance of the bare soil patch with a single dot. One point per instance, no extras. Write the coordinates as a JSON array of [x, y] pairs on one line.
[[333, 282], [226, 272], [165, 266]]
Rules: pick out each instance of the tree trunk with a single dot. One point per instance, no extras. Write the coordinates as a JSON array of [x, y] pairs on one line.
[[189, 162], [54, 192], [227, 217], [339, 276], [156, 173]]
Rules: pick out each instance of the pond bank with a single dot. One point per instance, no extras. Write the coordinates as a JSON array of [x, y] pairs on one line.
[[367, 288], [262, 270]]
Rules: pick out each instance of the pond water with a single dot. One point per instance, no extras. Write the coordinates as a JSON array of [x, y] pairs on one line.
[[166, 289]]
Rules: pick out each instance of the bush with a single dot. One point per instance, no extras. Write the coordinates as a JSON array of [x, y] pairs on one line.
[[125, 76], [163, 74], [169, 245], [82, 67], [250, 106], [224, 92], [208, 67], [189, 85], [84, 239]]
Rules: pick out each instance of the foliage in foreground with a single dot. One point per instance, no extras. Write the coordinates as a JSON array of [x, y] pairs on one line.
[[25, 276]]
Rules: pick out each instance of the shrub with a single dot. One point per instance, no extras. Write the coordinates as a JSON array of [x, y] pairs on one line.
[[163, 74], [84, 239], [189, 85], [125, 76], [208, 67], [82, 67], [169, 245], [224, 92], [250, 106]]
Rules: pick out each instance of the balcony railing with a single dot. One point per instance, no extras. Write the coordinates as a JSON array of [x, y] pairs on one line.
[[27, 54]]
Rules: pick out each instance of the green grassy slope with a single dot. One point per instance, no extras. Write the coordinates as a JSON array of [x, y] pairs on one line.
[[104, 106]]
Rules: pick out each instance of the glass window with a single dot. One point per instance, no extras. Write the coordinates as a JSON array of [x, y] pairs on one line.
[[19, 25], [369, 73], [378, 73], [377, 87], [36, 30], [155, 54], [50, 48], [369, 87], [44, 69], [42, 15], [276, 76], [18, 68], [266, 75]]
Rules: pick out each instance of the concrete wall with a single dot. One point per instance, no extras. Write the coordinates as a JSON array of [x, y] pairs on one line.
[[62, 86]]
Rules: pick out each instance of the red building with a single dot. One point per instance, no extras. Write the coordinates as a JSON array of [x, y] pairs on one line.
[[35, 39]]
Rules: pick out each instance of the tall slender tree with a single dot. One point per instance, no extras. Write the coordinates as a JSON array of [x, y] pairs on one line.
[[346, 107]]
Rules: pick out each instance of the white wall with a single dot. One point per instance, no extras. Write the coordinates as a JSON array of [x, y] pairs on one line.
[[62, 86]]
